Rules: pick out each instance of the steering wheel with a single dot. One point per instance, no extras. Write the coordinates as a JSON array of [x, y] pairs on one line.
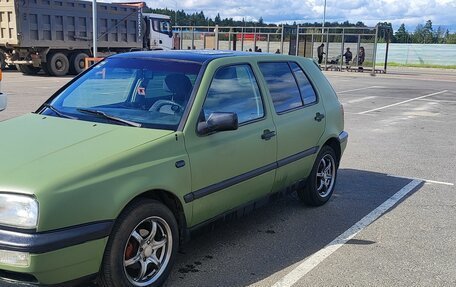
[[175, 107]]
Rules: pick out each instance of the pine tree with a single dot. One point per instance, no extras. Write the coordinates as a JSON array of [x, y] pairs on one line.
[[401, 36]]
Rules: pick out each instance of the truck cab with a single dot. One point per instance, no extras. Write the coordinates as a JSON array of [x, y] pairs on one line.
[[160, 31]]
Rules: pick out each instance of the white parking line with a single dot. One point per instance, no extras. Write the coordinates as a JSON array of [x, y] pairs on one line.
[[360, 100], [312, 261], [360, 89], [422, 179], [403, 102]]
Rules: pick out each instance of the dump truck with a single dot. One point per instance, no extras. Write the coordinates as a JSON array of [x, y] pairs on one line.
[[57, 35]]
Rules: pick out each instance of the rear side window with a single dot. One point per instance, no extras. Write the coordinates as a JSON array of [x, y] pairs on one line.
[[282, 86], [307, 91], [234, 89]]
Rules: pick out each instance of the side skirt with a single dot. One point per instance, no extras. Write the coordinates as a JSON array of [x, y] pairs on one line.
[[240, 211]]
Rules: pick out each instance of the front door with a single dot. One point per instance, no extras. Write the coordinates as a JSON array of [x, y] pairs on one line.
[[231, 168]]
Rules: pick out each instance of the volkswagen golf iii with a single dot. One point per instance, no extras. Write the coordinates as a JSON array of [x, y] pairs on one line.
[[108, 176]]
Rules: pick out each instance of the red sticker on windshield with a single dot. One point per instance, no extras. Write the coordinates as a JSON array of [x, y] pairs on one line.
[[141, 91]]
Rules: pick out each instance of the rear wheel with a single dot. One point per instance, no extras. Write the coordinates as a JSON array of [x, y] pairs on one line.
[[58, 64], [142, 247], [77, 63], [28, 69], [322, 179]]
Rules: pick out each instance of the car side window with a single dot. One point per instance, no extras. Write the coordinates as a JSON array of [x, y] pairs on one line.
[[234, 89], [307, 91], [282, 86]]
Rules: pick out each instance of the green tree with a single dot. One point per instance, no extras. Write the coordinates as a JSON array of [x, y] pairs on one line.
[[218, 19], [260, 21], [439, 36], [401, 35], [451, 38], [418, 35], [427, 32]]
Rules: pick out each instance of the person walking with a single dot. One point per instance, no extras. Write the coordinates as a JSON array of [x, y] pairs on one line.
[[348, 57], [320, 53]]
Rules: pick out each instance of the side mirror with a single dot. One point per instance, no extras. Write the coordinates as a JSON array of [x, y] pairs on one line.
[[3, 101], [218, 122]]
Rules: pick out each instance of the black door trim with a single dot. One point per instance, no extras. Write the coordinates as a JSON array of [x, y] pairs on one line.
[[248, 175]]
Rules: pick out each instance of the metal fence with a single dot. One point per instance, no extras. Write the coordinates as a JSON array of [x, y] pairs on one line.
[[292, 40]]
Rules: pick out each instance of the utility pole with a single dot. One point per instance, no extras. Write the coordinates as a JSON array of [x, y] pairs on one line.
[[94, 27], [324, 15], [324, 20]]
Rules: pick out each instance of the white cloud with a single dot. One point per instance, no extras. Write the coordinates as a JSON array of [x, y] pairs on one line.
[[410, 12]]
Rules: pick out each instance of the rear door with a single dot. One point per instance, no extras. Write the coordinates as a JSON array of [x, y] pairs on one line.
[[298, 116]]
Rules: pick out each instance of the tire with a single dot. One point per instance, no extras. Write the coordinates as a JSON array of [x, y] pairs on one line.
[[77, 64], [58, 64], [2, 61], [129, 244], [45, 68], [322, 179], [28, 69]]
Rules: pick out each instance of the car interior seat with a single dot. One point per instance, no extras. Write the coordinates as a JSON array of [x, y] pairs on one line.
[[180, 86]]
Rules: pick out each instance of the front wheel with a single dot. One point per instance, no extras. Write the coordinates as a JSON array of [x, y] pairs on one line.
[[321, 182], [28, 69], [142, 247]]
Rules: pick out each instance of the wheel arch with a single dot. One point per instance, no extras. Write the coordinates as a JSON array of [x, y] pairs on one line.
[[171, 201], [335, 145]]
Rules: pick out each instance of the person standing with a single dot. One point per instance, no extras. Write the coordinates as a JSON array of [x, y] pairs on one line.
[[361, 56], [348, 57], [320, 53]]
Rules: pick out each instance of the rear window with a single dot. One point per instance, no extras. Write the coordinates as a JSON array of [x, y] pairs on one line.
[[282, 86], [307, 92]]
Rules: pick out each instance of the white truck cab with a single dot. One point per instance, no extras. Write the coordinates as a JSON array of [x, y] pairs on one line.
[[161, 33]]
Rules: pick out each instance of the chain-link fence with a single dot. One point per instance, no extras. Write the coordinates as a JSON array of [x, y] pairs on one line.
[[293, 40]]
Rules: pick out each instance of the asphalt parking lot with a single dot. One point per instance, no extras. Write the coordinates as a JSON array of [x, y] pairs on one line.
[[391, 221]]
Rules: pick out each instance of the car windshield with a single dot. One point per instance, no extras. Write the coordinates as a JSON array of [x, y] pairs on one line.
[[136, 92]]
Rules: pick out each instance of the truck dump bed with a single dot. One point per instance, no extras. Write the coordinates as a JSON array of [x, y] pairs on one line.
[[67, 24]]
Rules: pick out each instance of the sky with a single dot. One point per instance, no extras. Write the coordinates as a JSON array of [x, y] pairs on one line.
[[409, 12]]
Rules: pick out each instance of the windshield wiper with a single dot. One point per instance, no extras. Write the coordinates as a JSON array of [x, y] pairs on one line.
[[59, 113], [113, 118]]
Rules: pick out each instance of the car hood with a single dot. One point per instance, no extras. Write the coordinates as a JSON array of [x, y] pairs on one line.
[[37, 149]]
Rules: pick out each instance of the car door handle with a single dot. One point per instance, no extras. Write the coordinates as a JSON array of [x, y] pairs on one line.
[[319, 117], [267, 135]]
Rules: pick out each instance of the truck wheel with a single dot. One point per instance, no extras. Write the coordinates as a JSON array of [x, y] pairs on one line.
[[142, 247], [45, 68], [58, 64], [29, 69], [77, 64], [2, 59], [322, 179]]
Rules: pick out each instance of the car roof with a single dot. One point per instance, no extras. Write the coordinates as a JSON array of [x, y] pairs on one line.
[[199, 56]]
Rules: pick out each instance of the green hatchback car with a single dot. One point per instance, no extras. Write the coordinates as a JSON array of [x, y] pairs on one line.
[[109, 176]]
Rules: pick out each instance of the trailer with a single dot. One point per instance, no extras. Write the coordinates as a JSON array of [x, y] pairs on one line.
[[56, 35]]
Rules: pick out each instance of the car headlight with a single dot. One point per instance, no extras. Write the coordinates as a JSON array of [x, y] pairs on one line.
[[18, 211]]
